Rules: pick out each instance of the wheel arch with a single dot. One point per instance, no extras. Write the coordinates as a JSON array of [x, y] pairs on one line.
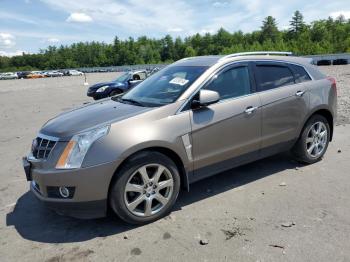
[[163, 150], [116, 89], [326, 113]]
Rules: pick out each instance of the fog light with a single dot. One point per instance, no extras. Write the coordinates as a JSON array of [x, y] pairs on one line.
[[64, 192]]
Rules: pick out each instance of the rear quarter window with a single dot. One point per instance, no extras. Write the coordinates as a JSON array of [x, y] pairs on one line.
[[273, 76], [300, 74]]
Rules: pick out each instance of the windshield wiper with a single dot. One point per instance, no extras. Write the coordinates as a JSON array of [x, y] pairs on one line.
[[129, 100]]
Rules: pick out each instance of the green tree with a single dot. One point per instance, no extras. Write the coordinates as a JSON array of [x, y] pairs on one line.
[[269, 30], [321, 36], [297, 24], [189, 51]]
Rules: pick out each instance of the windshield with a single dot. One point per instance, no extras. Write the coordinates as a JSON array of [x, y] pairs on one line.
[[123, 77], [165, 86]]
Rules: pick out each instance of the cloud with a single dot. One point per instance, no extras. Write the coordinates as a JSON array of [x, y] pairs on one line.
[[133, 17], [220, 4], [79, 18], [155, 18], [53, 40], [175, 29], [207, 30], [14, 53], [6, 40], [17, 17], [346, 14]]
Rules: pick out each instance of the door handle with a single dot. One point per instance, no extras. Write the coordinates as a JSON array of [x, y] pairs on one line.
[[250, 109], [299, 93]]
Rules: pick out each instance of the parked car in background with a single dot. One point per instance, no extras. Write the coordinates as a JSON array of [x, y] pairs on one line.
[[154, 70], [8, 75], [36, 74], [119, 85], [195, 118], [53, 73], [23, 74], [74, 73]]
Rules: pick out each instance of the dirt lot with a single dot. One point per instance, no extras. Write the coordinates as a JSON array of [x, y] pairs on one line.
[[270, 210]]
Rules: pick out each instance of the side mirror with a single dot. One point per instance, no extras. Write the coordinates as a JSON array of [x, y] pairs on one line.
[[206, 97]]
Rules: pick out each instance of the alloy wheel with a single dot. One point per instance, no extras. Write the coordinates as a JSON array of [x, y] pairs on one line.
[[316, 140], [148, 190]]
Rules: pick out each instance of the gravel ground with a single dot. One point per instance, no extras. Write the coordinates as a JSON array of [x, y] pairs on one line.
[[270, 210], [342, 75]]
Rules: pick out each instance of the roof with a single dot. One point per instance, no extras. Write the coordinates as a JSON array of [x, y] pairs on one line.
[[199, 60]]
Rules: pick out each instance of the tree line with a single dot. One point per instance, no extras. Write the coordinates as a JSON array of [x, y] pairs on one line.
[[319, 37]]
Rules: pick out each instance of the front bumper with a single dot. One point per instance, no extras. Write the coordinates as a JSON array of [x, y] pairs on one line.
[[97, 96], [88, 186]]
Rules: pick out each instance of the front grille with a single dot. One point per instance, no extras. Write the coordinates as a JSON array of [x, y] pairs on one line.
[[42, 147]]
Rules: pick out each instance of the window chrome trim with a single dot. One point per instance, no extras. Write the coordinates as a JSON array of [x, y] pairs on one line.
[[287, 62], [179, 111]]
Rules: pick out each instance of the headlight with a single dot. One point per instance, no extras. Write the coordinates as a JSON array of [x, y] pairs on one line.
[[76, 149], [101, 89]]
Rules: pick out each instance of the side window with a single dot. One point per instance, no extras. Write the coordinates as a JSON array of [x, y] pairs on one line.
[[300, 74], [273, 76], [142, 75], [136, 77], [231, 83]]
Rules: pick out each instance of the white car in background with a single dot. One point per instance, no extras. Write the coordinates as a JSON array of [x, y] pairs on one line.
[[8, 75], [53, 73], [75, 73]]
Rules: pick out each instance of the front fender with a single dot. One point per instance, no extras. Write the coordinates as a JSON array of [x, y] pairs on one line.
[[154, 129]]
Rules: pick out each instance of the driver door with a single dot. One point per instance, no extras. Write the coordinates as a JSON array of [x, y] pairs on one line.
[[228, 132]]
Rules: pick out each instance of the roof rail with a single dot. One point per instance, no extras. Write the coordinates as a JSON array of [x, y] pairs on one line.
[[257, 53]]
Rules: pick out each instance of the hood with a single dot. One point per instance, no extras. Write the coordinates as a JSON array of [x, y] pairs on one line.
[[112, 84], [67, 124]]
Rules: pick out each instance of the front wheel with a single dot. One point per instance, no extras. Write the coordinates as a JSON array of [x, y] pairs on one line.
[[314, 140], [115, 92], [145, 189]]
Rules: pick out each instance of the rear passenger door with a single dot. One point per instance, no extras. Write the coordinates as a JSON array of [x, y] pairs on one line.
[[284, 99]]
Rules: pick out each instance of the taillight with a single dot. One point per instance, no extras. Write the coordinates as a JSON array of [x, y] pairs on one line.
[[333, 83]]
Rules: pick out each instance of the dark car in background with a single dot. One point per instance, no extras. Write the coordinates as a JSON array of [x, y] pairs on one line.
[[23, 74], [118, 86]]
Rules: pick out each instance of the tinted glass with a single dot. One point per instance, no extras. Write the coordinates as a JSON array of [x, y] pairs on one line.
[[231, 83], [165, 86], [123, 77], [300, 74], [271, 76]]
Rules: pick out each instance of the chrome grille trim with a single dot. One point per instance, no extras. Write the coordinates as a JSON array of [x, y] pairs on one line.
[[44, 146]]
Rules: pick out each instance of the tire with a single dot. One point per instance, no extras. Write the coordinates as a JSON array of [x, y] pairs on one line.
[[303, 150], [123, 201], [115, 92]]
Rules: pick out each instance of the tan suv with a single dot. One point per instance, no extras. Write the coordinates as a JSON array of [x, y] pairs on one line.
[[193, 119]]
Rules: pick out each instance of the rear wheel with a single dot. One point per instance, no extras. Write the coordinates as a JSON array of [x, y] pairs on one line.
[[146, 188], [314, 140]]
